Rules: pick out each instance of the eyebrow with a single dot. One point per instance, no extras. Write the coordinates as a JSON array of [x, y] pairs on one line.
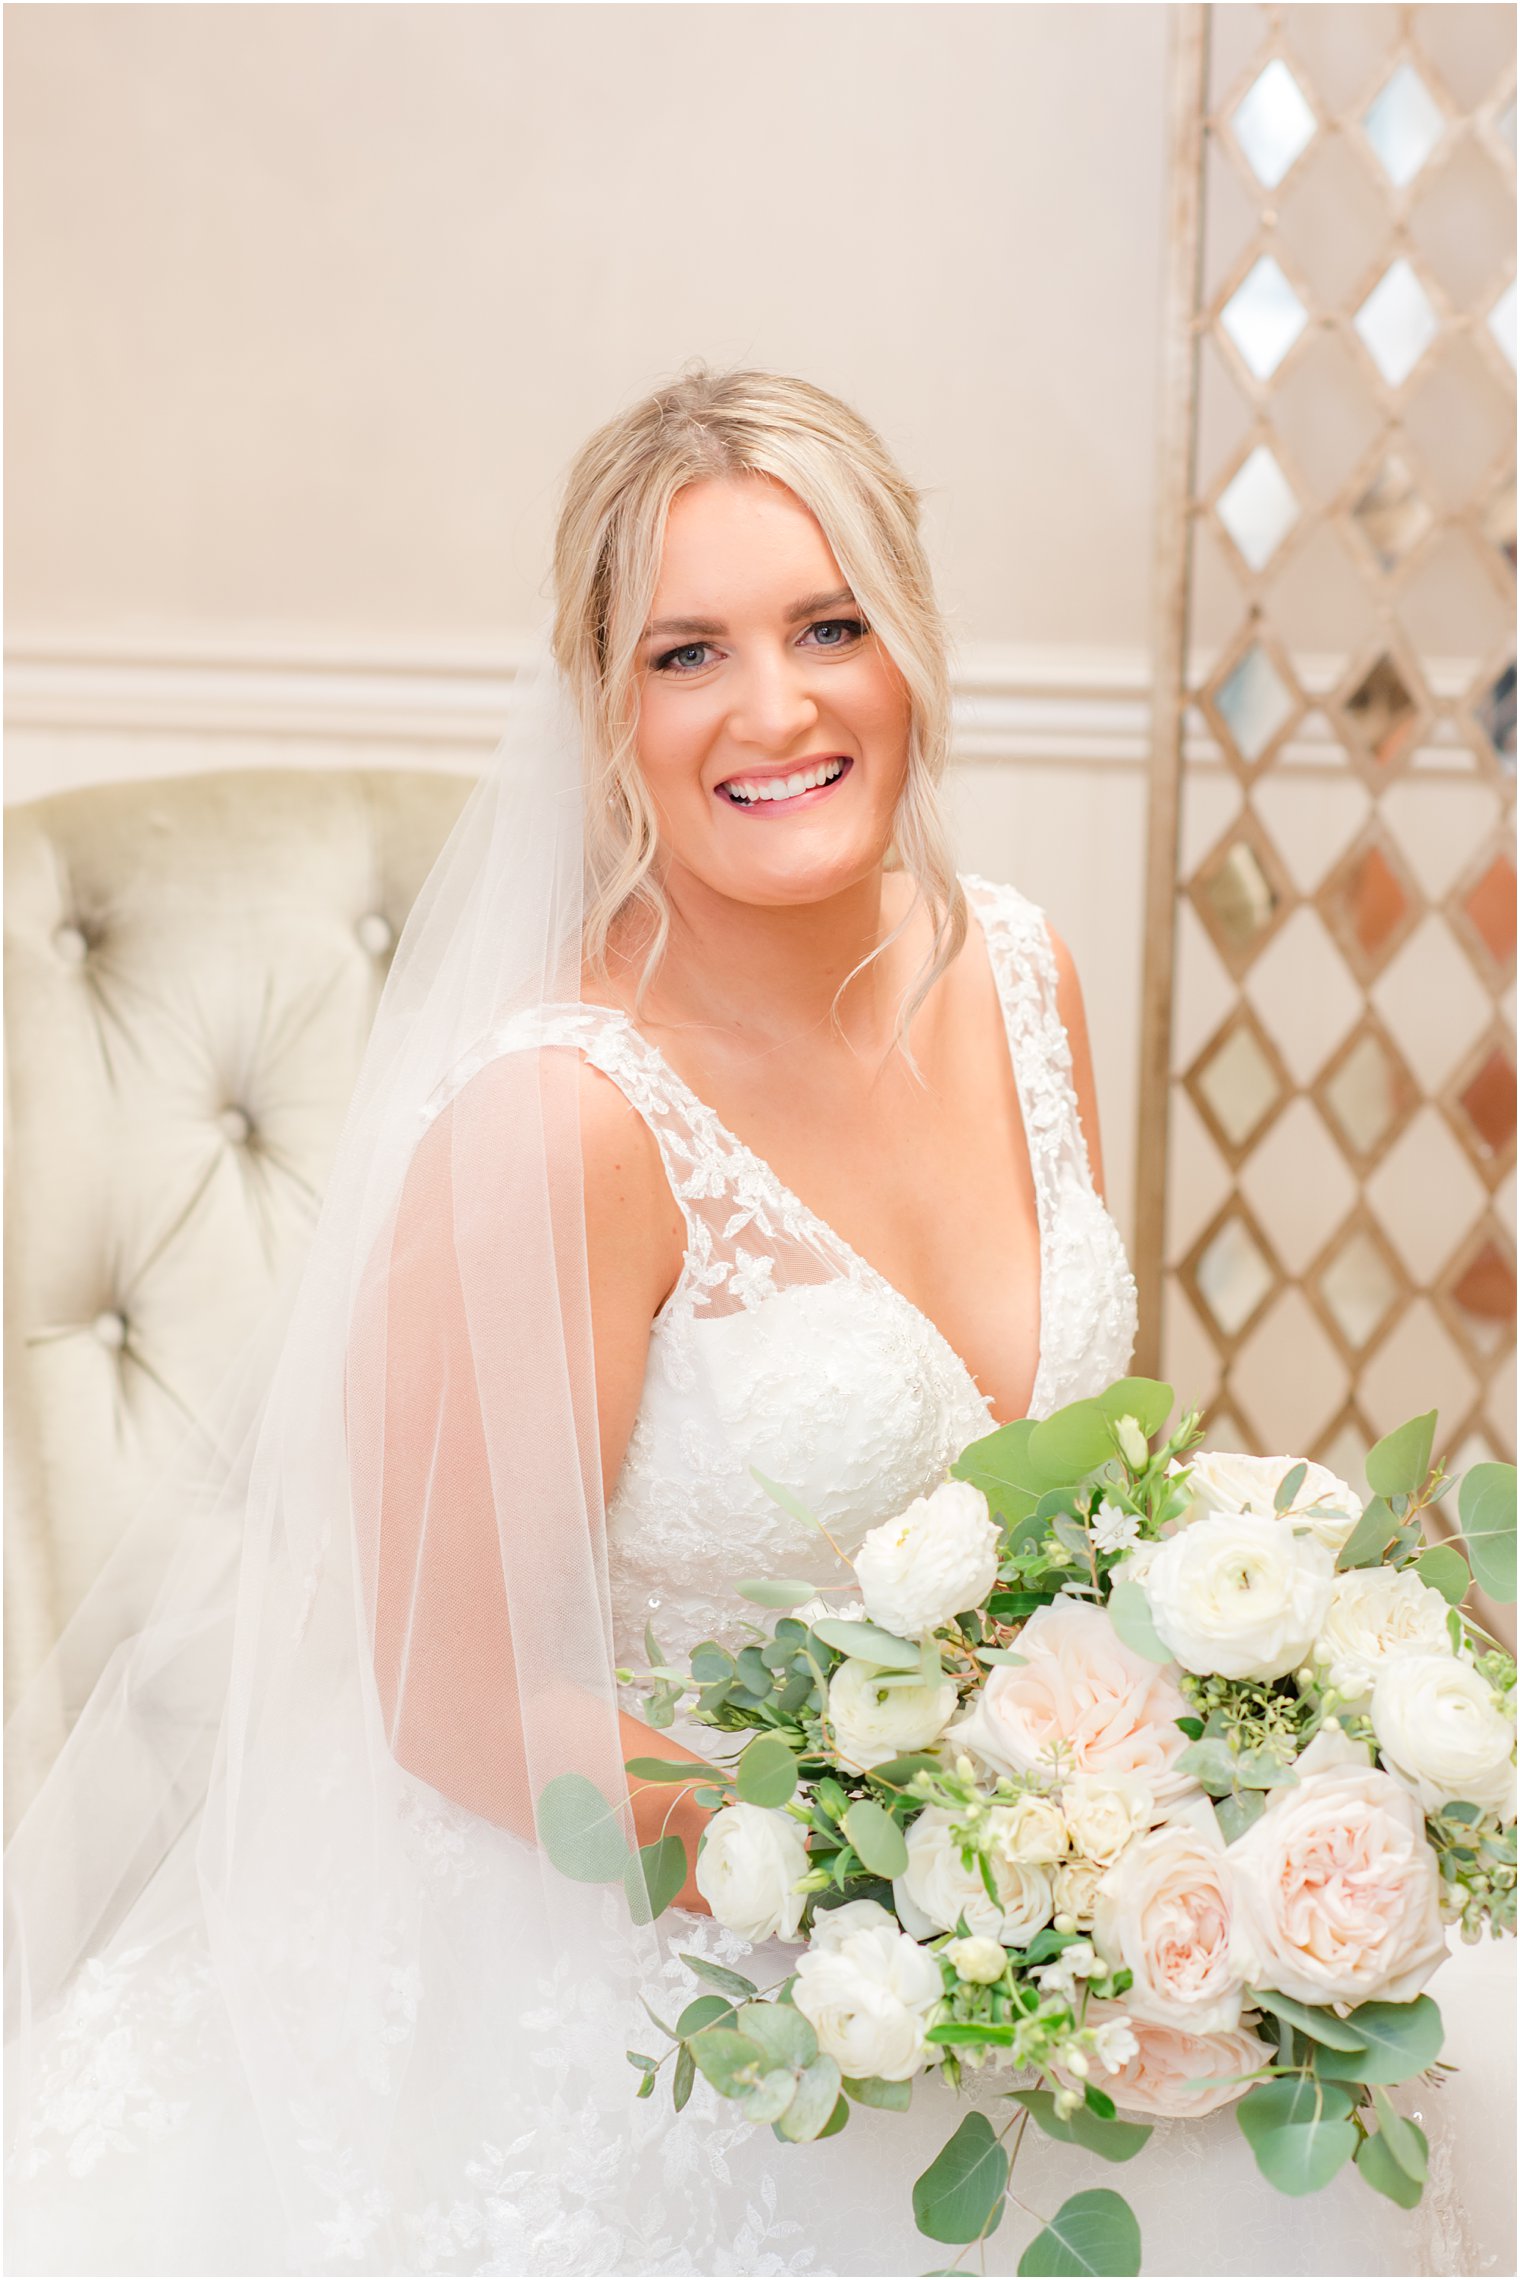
[[710, 629]]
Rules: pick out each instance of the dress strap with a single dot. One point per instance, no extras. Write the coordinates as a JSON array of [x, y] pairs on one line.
[[1024, 966]]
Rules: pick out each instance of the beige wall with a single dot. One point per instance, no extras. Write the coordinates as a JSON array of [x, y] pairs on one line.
[[308, 306]]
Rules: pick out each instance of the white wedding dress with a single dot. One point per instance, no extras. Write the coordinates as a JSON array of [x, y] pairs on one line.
[[780, 1349]]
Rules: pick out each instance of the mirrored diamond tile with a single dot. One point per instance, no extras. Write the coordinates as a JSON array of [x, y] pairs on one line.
[[1489, 908], [1504, 126], [1501, 322], [1254, 704], [1263, 317], [1237, 899], [1381, 712], [1258, 507], [1273, 124], [1232, 1275], [1481, 1293], [1396, 322], [1403, 124], [1495, 715], [1486, 1100], [1359, 1288], [1371, 905], [1390, 514], [1236, 1084], [1499, 521], [1367, 1093]]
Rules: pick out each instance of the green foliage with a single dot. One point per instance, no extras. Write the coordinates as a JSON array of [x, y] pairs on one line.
[[1406, 2141], [705, 2011], [1371, 1536], [1072, 1442], [815, 2096], [782, 2034], [1445, 1570], [685, 2076], [1129, 1611], [1300, 2131], [1114, 2140], [873, 2090], [787, 1501], [1486, 1504], [1375, 2160], [1288, 1487], [1397, 1465], [718, 1975], [1320, 2026], [580, 1831], [653, 1876], [876, 1838], [669, 1769], [1147, 1400], [960, 2195], [726, 2058], [867, 1644], [776, 1591], [767, 1772], [1400, 2039], [1093, 2232]]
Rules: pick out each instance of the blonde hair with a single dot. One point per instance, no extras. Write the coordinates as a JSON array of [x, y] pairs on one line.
[[607, 554]]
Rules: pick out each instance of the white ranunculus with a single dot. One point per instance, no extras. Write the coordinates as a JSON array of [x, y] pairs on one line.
[[1335, 1889], [1163, 1912], [1239, 1595], [1081, 1690], [1442, 1732], [867, 1991], [1224, 1482], [1375, 1614], [936, 1888], [1032, 1828], [874, 1721], [1103, 1811], [749, 1859], [976, 1960], [819, 1609], [937, 1559]]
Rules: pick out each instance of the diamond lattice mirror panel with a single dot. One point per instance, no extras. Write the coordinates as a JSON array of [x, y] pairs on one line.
[[1326, 1239]]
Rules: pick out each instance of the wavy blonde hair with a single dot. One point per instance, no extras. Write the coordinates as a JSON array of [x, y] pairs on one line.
[[608, 544]]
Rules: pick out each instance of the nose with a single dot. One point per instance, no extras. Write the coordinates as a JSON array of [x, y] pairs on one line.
[[773, 706]]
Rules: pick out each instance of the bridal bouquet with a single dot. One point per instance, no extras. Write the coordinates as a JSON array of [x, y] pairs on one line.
[[1153, 1779]]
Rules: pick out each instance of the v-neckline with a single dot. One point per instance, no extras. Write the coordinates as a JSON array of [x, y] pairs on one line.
[[873, 1275]]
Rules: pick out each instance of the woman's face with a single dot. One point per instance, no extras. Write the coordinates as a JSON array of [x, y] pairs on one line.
[[757, 668]]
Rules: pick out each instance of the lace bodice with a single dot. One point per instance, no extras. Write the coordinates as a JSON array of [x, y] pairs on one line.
[[781, 1349]]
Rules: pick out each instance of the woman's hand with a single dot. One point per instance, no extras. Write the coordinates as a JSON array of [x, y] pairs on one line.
[[663, 1809]]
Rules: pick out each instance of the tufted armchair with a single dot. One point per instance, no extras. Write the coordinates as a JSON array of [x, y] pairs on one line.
[[192, 967]]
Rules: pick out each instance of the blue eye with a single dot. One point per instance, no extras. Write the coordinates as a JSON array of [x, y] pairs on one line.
[[854, 629]]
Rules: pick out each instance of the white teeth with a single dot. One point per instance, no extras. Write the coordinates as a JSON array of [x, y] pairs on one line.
[[783, 787]]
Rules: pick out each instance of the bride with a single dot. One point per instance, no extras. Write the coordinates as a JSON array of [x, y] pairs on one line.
[[711, 1128]]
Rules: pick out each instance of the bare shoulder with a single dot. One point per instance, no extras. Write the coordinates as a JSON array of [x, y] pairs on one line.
[[1073, 1013]]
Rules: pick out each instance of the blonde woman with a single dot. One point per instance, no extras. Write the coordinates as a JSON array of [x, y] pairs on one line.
[[713, 1129]]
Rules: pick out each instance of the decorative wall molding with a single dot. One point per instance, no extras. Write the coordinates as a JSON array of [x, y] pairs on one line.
[[79, 712]]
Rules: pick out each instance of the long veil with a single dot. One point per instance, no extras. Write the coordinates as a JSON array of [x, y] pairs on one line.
[[302, 1790]]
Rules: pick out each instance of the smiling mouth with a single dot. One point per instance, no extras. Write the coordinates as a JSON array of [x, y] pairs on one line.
[[806, 785]]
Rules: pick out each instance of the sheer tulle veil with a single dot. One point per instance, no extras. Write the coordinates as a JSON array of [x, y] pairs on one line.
[[379, 1627]]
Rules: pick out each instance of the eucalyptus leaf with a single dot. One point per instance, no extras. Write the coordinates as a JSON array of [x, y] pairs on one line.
[[726, 2058], [653, 1877], [1397, 1465], [1093, 2232], [580, 1831], [865, 1643], [876, 1837], [670, 1769], [1072, 1442], [705, 2011], [1114, 2140], [1486, 1506], [767, 1773], [1129, 1611], [813, 2101], [1406, 2142], [685, 2076], [1370, 1538], [785, 1498], [1377, 2165], [776, 1591], [1320, 2026], [872, 2090], [1299, 2130], [959, 2197], [1211, 1763], [718, 1975], [998, 1655], [836, 2120], [1288, 1487], [1147, 1400], [1445, 1570], [782, 2033], [1401, 2039], [767, 2100]]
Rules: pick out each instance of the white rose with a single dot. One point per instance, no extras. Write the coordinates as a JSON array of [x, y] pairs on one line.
[[1074, 1889], [1032, 1828], [1081, 1689], [1174, 2074], [1377, 1613], [1442, 1733], [1239, 1595], [874, 1721], [1224, 1482], [978, 1961], [1336, 1893], [1104, 1811], [867, 1990], [937, 1559], [936, 1888], [749, 1859], [1163, 1910]]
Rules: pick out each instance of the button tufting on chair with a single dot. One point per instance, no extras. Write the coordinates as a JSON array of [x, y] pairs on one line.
[[374, 932], [234, 1125], [71, 944], [110, 1329]]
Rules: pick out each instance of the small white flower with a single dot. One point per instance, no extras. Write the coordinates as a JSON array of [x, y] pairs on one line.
[[1114, 1529], [1114, 2044], [976, 1960], [935, 1560]]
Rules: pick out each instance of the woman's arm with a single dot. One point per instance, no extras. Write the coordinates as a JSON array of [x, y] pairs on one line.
[[1074, 1016]]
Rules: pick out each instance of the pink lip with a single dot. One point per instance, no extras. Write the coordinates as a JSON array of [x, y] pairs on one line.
[[798, 799]]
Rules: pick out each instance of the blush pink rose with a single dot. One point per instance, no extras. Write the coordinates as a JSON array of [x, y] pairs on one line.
[[1080, 1685], [1175, 2075], [1163, 1910]]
